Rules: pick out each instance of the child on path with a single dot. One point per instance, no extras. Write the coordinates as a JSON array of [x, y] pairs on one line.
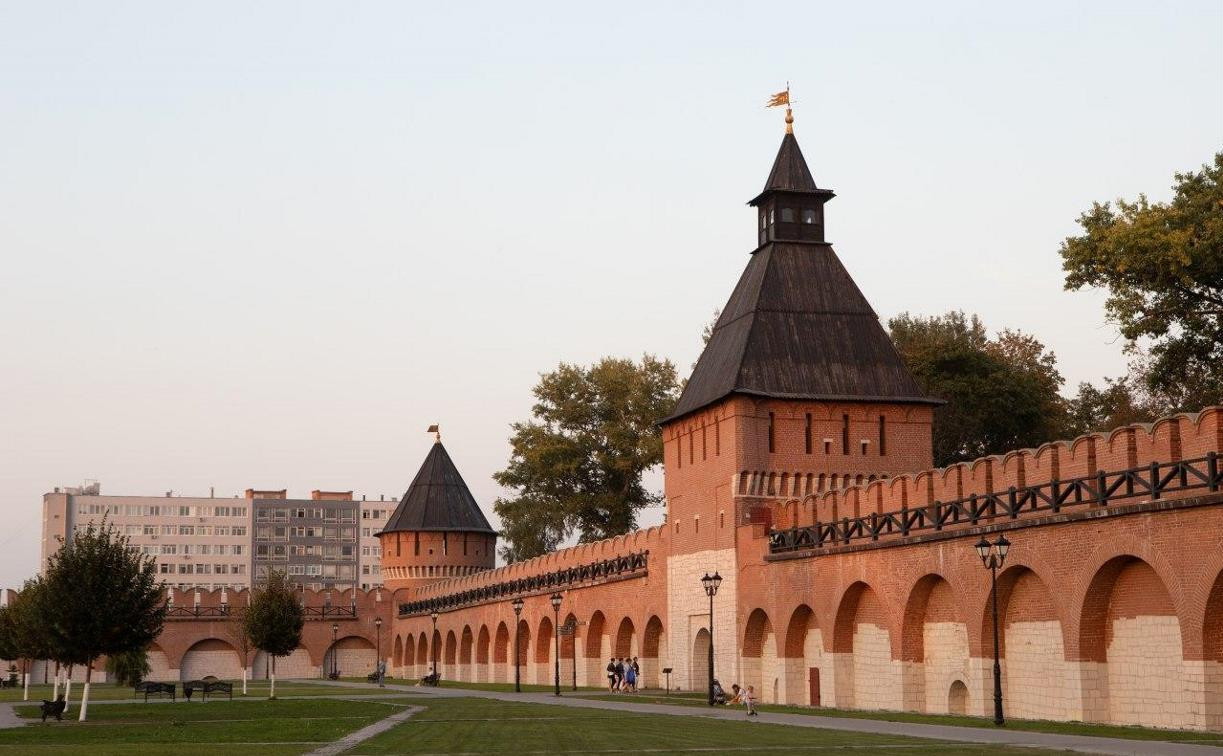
[[749, 699]]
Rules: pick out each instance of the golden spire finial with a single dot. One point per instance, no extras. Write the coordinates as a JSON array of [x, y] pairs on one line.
[[783, 98]]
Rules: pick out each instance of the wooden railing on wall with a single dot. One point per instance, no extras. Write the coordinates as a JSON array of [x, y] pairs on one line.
[[1153, 481]]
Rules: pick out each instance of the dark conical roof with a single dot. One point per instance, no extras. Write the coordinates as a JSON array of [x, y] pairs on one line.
[[790, 172], [438, 499], [796, 325]]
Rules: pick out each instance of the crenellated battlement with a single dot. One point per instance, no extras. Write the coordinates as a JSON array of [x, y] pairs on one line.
[[1164, 459]]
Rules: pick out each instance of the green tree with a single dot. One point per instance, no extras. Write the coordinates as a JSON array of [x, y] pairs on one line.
[[577, 465], [25, 625], [129, 667], [237, 630], [274, 620], [1001, 393], [1119, 402], [1162, 265], [102, 599]]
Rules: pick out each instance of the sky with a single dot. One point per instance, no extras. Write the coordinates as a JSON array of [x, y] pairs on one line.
[[266, 245]]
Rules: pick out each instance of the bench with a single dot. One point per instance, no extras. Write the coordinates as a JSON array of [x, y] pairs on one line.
[[155, 689], [53, 708], [205, 687]]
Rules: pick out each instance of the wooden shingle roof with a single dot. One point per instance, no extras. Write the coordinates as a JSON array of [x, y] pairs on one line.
[[438, 499], [797, 327]]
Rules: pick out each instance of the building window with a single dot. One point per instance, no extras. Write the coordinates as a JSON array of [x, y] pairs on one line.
[[717, 438], [704, 444], [679, 452], [807, 434], [787, 215], [845, 434], [691, 444], [771, 434], [883, 439], [808, 216]]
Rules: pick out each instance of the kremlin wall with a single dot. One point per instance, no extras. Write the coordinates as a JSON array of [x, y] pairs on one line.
[[798, 466]]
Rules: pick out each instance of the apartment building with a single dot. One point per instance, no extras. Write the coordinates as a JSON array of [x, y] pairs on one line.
[[314, 540], [197, 542], [374, 516], [327, 541]]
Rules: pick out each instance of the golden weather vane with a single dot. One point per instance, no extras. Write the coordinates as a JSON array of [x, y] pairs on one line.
[[783, 98]]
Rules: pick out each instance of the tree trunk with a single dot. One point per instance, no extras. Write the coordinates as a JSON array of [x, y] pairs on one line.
[[55, 691], [272, 692], [68, 689], [25, 679], [85, 694], [244, 680]]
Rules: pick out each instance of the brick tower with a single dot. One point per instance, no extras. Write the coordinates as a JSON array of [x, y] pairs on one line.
[[799, 390], [438, 530]]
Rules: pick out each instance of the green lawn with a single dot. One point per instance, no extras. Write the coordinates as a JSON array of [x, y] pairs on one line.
[[474, 725], [1029, 725], [495, 687], [250, 726], [112, 692]]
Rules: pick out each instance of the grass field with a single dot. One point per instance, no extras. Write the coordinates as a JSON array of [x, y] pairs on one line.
[[112, 692], [1027, 725], [250, 726], [473, 725]]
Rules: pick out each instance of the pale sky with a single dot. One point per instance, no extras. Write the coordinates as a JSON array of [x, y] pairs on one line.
[[266, 245]]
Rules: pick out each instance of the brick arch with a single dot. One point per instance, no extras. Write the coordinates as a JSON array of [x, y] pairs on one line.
[[623, 644], [397, 652], [569, 642], [483, 641], [651, 639], [210, 657], [422, 650], [1099, 604], [1033, 602], [846, 615], [501, 644], [544, 640], [919, 610], [1212, 653], [757, 628], [802, 620], [409, 651], [524, 643], [1091, 595], [451, 655], [466, 642], [594, 635]]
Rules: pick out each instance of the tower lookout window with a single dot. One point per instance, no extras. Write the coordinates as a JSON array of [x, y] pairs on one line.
[[808, 216], [787, 215]]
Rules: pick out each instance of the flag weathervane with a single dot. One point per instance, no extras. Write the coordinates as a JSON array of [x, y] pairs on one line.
[[436, 430], [783, 98]]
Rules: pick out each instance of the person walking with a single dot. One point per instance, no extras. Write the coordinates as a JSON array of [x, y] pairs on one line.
[[749, 699], [611, 675], [630, 679], [636, 674], [620, 675]]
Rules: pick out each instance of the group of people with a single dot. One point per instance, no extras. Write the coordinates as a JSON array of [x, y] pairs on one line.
[[622, 675], [745, 696]]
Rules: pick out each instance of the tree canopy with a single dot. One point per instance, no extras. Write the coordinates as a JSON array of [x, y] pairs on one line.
[[1001, 393], [274, 619], [1162, 265], [99, 598], [576, 466]]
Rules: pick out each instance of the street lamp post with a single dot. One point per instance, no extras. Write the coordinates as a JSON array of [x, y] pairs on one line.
[[433, 642], [335, 667], [992, 556], [378, 664], [517, 604], [711, 583], [556, 611]]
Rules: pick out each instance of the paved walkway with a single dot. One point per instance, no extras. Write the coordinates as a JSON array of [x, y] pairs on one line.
[[1001, 736], [365, 733]]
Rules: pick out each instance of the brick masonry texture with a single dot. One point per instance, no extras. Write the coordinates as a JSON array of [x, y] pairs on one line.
[[1109, 613]]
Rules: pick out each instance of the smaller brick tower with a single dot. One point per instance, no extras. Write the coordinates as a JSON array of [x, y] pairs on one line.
[[437, 531]]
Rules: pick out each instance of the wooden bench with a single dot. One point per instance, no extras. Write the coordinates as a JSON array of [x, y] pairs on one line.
[[149, 688]]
